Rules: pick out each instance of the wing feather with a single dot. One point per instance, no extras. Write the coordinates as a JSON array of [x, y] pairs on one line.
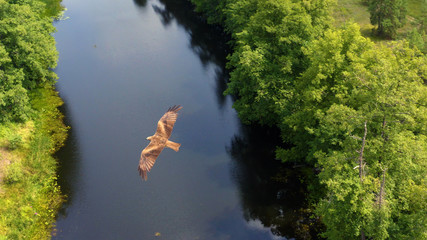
[[148, 158], [166, 123]]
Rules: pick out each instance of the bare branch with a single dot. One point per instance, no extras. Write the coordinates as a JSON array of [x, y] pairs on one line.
[[356, 137], [361, 164], [381, 195]]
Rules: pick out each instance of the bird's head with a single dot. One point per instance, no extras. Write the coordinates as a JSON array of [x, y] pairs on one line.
[[149, 138]]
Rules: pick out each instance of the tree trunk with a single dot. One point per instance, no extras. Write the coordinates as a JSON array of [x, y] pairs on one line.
[[382, 192], [362, 235], [361, 164]]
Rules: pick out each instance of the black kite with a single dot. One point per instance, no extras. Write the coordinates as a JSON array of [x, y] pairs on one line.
[[159, 141]]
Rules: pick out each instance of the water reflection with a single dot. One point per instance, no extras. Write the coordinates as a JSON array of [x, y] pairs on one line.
[[272, 194], [140, 3], [110, 91], [207, 41], [69, 159]]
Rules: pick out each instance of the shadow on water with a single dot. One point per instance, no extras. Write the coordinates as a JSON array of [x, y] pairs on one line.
[[271, 193], [140, 3], [208, 42], [68, 166]]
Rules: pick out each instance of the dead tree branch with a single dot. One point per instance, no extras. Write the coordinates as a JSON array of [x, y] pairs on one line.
[[361, 164]]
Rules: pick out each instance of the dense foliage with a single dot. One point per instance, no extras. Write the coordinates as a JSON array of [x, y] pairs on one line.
[[368, 134], [388, 15], [351, 108], [267, 53], [31, 126], [27, 55]]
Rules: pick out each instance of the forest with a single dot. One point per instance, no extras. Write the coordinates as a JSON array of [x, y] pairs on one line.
[[31, 126], [349, 99]]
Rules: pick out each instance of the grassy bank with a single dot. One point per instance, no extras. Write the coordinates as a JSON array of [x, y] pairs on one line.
[[29, 195], [31, 127], [357, 11]]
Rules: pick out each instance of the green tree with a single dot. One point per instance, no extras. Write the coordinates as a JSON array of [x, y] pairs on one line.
[[267, 53], [212, 9], [416, 39], [389, 15], [363, 111], [27, 55], [13, 97], [355, 110], [26, 36], [319, 87]]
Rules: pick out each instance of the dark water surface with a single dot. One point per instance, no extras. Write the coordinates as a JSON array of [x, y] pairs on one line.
[[121, 65]]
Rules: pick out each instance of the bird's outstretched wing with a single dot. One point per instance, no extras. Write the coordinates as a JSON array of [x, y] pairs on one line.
[[148, 158], [165, 124]]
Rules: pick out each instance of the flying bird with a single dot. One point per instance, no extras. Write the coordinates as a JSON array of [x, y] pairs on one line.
[[159, 141]]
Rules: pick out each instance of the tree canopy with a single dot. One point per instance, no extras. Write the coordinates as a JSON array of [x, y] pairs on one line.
[[351, 108], [368, 134], [388, 15], [269, 36], [27, 55]]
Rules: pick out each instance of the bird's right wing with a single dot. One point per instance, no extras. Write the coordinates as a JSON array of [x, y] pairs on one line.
[[148, 158], [167, 121]]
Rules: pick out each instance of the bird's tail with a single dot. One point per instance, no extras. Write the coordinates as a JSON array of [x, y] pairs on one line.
[[175, 146]]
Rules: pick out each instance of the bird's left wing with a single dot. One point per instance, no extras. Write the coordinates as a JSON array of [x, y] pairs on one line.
[[148, 158]]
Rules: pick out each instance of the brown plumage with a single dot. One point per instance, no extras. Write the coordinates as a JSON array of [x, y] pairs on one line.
[[159, 141]]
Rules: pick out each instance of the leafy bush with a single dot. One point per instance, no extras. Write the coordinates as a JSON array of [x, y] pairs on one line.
[[28, 35]]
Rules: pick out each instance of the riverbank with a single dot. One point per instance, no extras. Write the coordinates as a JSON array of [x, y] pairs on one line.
[[31, 126], [29, 195]]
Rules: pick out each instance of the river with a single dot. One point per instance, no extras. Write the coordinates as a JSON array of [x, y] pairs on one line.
[[121, 65]]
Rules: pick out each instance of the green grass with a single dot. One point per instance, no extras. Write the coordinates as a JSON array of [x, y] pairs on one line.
[[29, 195], [415, 8], [357, 11], [351, 10]]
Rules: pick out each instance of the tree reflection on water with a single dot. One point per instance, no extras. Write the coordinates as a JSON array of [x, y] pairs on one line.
[[208, 42], [272, 193], [140, 3], [68, 162]]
